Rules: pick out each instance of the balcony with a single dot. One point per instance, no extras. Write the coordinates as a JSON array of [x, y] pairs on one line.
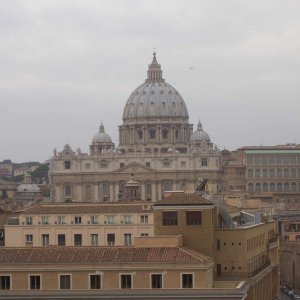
[[259, 269]]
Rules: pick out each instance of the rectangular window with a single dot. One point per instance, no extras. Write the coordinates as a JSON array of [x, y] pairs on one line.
[[4, 282], [45, 220], [95, 282], [183, 164], [127, 219], [67, 164], [35, 282], [103, 165], [65, 282], [28, 239], [144, 219], [156, 281], [28, 220], [87, 166], [187, 281], [127, 239], [111, 239], [77, 220], [218, 244], [170, 218], [166, 163], [126, 281], [45, 239], [61, 240], [193, 218], [94, 219], [110, 219], [144, 234], [219, 269], [152, 133], [148, 164], [204, 162], [94, 239], [77, 239], [121, 165], [61, 220]]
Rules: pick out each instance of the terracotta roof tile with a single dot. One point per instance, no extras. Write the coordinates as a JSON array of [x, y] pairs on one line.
[[91, 208], [183, 199], [97, 255]]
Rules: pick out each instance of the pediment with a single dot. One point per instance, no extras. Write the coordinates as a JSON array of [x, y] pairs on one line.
[[134, 168]]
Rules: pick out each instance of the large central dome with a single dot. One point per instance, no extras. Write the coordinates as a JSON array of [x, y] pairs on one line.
[[155, 116], [154, 99]]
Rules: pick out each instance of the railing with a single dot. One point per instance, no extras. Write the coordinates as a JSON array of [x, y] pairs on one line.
[[272, 240], [259, 269]]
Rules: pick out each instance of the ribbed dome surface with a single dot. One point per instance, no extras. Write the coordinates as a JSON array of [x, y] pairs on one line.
[[101, 137], [155, 98], [199, 135]]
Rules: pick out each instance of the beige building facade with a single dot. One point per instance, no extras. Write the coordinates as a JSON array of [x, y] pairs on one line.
[[80, 224]]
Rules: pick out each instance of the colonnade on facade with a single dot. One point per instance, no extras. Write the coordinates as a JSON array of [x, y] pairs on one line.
[[155, 134], [111, 191]]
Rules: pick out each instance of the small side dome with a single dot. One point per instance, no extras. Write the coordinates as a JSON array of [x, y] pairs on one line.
[[101, 137], [199, 135]]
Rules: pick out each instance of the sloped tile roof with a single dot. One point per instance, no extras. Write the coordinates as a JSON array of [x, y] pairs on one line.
[[79, 208], [182, 199], [97, 255]]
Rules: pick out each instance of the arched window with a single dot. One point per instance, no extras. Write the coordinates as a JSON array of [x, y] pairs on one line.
[[122, 190], [265, 173], [257, 187], [250, 187], [250, 173], [272, 187], [265, 187], [294, 187], [286, 173], [165, 133], [279, 173], [257, 173], [272, 173], [68, 190], [279, 187], [293, 173], [286, 187]]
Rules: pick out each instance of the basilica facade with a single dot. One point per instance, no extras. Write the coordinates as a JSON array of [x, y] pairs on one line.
[[158, 151]]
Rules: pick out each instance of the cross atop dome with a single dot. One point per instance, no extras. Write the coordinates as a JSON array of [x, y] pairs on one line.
[[154, 70]]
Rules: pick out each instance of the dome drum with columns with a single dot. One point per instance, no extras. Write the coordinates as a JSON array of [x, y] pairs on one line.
[[157, 146], [155, 115]]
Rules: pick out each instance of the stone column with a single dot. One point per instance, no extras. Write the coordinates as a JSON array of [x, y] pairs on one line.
[[111, 191], [158, 194], [79, 192], [143, 196], [154, 196], [96, 193]]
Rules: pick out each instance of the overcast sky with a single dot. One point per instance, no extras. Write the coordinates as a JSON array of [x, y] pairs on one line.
[[67, 65]]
